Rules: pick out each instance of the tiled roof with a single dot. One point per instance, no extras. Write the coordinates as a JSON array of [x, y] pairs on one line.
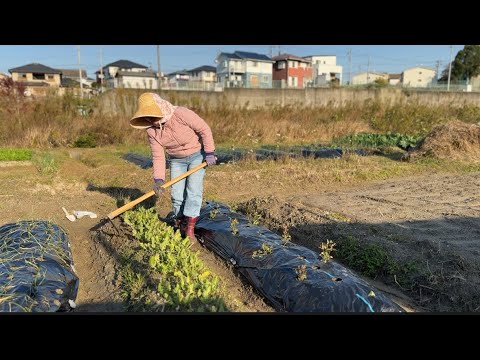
[[289, 57], [204, 68], [126, 64], [72, 73], [35, 68], [252, 56]]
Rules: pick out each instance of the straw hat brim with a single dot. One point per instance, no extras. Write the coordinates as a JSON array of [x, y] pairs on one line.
[[138, 121]]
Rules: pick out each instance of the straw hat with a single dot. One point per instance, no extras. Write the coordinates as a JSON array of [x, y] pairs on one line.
[[146, 107]]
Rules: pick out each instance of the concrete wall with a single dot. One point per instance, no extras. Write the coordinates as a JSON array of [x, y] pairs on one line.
[[124, 101]]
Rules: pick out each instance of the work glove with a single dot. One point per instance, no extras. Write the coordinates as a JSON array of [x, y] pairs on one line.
[[157, 187], [210, 158]]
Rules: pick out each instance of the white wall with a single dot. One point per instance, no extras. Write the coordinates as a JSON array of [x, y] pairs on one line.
[[418, 77], [262, 67], [361, 78], [323, 60], [134, 82]]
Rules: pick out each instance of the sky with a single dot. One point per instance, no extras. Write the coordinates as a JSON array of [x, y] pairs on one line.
[[381, 58]]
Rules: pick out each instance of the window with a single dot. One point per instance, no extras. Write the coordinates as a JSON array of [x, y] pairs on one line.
[[281, 65], [38, 76], [22, 76], [254, 64], [265, 78], [49, 77], [420, 72]]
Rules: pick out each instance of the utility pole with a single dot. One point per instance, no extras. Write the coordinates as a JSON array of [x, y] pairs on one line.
[[80, 72], [271, 51], [450, 68], [349, 66], [158, 67], [368, 69], [101, 72], [438, 68], [279, 49]]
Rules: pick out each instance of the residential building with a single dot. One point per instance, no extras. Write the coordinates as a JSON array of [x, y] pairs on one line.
[[325, 69], [291, 71], [419, 76], [178, 79], [72, 75], [244, 69], [203, 77], [37, 78], [394, 79], [368, 77], [127, 74]]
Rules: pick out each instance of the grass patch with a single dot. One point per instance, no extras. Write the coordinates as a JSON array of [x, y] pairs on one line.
[[15, 154], [85, 141], [46, 164], [372, 260]]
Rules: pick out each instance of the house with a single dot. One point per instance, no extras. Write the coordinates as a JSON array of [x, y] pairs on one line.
[[291, 71], [37, 78], [394, 79], [178, 79], [127, 74], [419, 76], [244, 69], [72, 76], [325, 69], [203, 77], [368, 77]]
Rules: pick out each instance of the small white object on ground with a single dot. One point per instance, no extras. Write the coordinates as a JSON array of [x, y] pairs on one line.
[[69, 216], [80, 214], [72, 304]]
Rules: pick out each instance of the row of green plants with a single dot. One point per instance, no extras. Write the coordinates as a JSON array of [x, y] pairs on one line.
[[176, 275], [15, 154], [372, 140]]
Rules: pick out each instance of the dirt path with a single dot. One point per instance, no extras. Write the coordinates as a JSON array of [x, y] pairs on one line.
[[442, 210]]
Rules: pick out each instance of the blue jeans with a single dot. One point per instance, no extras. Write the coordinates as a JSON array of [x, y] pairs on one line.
[[187, 193]]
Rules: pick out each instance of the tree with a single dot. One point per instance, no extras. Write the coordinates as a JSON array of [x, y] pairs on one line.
[[467, 63], [444, 75]]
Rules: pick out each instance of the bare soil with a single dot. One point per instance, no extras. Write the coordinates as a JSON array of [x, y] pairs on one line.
[[431, 219]]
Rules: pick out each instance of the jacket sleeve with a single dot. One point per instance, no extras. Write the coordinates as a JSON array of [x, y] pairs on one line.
[[158, 156], [201, 128]]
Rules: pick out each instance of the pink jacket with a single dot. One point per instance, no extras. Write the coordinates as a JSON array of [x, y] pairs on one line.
[[182, 135]]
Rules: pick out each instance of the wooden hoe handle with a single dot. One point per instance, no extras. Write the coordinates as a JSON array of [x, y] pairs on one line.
[[132, 203]]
